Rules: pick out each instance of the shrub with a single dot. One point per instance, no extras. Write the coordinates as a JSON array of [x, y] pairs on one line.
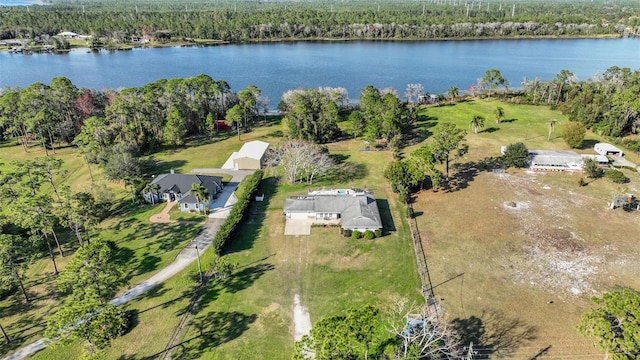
[[516, 155], [632, 144], [592, 170], [369, 235], [378, 233], [346, 233], [355, 234], [249, 186], [573, 134], [616, 176]]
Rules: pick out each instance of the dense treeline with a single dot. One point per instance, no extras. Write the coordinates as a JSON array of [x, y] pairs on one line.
[[112, 127], [608, 104], [248, 21]]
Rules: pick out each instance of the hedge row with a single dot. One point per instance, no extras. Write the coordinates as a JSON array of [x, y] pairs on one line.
[[244, 193]]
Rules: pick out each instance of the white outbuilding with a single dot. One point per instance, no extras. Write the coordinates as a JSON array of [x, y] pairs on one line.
[[249, 157], [605, 149]]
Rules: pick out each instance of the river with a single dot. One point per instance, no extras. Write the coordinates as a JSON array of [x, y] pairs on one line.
[[277, 67]]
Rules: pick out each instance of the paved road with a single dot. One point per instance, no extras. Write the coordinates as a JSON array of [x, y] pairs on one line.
[[219, 212]]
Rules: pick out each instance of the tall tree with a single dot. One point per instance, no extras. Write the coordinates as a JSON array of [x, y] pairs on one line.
[[349, 336], [492, 79], [448, 144], [614, 323], [15, 252], [551, 125], [92, 277], [499, 113], [573, 134], [453, 93], [477, 123], [201, 193]]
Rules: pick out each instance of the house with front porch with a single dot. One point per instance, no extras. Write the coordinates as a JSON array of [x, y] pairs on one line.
[[177, 187]]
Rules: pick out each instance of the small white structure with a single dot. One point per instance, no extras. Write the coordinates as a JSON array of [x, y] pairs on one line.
[[605, 149], [69, 35], [250, 156], [552, 160]]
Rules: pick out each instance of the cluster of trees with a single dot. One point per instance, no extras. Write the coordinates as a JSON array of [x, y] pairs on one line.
[[402, 331], [91, 279], [311, 114], [607, 104], [242, 21], [35, 208], [112, 128], [446, 145]]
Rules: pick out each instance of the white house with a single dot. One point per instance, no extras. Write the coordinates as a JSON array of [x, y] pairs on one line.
[[607, 150], [552, 160], [356, 209], [249, 157]]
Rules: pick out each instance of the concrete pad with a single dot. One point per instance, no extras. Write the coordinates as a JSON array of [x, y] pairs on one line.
[[297, 227]]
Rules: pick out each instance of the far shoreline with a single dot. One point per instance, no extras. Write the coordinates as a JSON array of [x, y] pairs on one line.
[[213, 42]]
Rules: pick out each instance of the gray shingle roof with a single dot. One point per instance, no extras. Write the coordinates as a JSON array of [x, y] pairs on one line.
[[181, 183], [356, 211]]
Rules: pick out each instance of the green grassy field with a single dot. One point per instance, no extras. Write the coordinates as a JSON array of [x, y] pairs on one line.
[[249, 314], [514, 257]]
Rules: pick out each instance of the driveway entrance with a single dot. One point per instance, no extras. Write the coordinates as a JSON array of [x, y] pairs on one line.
[[297, 227]]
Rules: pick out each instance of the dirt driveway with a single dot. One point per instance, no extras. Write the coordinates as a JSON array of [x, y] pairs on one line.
[[297, 227]]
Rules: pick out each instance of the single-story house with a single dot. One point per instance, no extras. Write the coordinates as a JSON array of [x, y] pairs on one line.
[[177, 187], [555, 160], [250, 156], [355, 209], [68, 35], [599, 159], [605, 149]]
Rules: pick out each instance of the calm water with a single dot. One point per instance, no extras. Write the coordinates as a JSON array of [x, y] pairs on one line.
[[277, 67], [16, 3]]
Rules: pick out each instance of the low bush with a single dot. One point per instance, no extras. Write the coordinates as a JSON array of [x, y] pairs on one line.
[[355, 234], [244, 193], [378, 233], [616, 176], [369, 235]]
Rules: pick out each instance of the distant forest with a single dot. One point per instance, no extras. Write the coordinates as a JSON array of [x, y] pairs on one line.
[[237, 21]]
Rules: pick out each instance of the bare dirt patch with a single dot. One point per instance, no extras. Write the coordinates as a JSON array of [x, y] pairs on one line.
[[532, 246]]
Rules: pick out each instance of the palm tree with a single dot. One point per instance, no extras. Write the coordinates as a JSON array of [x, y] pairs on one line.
[[151, 189], [201, 193], [499, 112], [453, 93], [477, 123], [551, 125]]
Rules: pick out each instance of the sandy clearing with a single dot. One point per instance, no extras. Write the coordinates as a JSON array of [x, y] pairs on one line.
[[301, 319]]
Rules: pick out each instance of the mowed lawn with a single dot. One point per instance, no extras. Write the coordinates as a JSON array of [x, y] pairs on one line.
[[514, 257], [250, 314]]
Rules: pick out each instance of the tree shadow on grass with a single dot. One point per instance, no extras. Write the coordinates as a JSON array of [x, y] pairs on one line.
[[588, 144], [253, 219], [153, 166], [386, 216], [212, 330], [493, 333], [347, 171], [466, 173], [421, 130], [491, 129]]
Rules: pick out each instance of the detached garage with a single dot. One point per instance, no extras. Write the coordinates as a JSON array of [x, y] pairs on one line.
[[605, 149], [250, 156]]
